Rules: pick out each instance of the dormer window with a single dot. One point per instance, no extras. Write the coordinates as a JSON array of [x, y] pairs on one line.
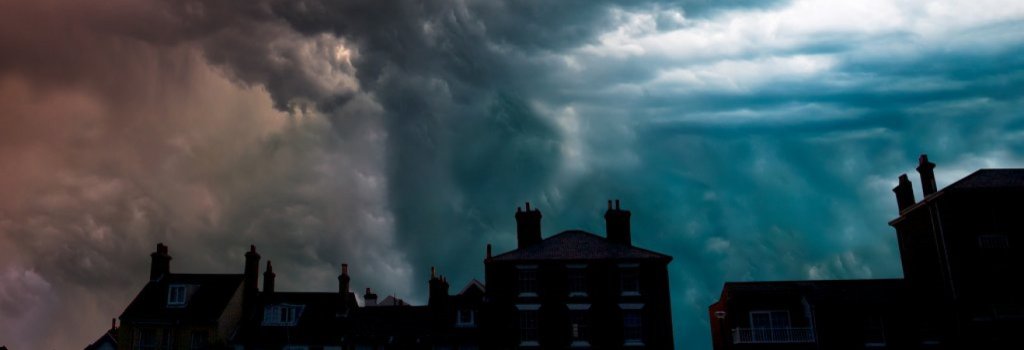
[[176, 295], [282, 315]]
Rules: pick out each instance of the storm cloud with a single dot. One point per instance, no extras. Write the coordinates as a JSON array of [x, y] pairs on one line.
[[751, 139]]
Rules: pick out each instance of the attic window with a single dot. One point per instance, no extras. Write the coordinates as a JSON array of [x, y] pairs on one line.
[[281, 315], [176, 295]]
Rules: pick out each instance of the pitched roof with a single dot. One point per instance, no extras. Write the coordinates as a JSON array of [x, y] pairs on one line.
[[323, 315], [991, 178], [578, 245], [209, 296]]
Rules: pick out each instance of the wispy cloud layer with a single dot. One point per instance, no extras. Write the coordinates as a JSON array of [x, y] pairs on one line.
[[751, 139]]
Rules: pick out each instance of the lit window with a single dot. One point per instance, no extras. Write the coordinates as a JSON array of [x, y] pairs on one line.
[[577, 280], [527, 281], [176, 294], [630, 280], [281, 315], [528, 325], [465, 318], [632, 327]]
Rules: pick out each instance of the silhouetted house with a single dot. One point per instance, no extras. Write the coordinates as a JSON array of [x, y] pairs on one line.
[[107, 341], [183, 310], [577, 290], [844, 314], [963, 267], [962, 249]]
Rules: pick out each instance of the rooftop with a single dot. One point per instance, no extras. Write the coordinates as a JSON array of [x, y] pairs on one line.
[[578, 245]]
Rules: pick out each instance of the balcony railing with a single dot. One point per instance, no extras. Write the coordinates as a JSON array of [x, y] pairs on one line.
[[772, 335]]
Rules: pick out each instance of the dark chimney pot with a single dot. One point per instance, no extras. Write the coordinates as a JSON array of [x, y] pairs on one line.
[[268, 278], [438, 285], [161, 263], [252, 269], [925, 169], [113, 324], [488, 250], [370, 298], [344, 280], [617, 225], [904, 193], [528, 226]]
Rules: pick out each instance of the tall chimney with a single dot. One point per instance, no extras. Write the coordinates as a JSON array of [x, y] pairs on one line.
[[904, 193], [268, 279], [617, 224], [161, 264], [369, 298], [343, 280], [252, 269], [925, 168], [527, 226], [438, 290]]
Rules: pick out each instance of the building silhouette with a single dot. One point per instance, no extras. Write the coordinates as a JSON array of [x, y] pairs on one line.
[[586, 291], [963, 265], [577, 289]]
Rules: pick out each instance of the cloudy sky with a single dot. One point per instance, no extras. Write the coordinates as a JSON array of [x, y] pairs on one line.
[[753, 140]]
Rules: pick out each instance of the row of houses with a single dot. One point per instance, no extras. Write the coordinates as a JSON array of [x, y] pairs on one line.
[[963, 270], [573, 289]]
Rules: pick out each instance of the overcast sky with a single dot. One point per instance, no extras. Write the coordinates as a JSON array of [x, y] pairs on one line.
[[753, 140]]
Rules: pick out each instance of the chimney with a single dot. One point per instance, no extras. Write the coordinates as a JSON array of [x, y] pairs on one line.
[[343, 280], [268, 279], [113, 324], [369, 298], [252, 269], [904, 193], [438, 290], [161, 264], [488, 250], [527, 226], [617, 224], [924, 167]]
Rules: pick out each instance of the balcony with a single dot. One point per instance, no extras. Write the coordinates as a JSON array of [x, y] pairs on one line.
[[772, 335]]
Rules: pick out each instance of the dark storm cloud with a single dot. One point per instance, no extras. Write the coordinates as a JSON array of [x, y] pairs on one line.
[[751, 139]]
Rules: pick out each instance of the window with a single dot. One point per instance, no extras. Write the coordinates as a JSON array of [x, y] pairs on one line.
[[632, 327], [465, 318], [579, 325], [281, 315], [199, 340], [993, 242], [776, 319], [577, 280], [529, 324], [527, 281], [176, 294], [874, 332], [629, 277], [145, 338]]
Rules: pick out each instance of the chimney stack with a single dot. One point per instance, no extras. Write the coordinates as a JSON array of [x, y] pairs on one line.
[[527, 226], [370, 298], [161, 264], [925, 168], [252, 269], [113, 324], [438, 289], [268, 279], [617, 224], [904, 193], [343, 280]]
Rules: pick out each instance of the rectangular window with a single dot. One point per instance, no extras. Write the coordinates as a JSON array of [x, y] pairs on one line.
[[465, 318], [632, 327], [176, 294], [579, 327], [146, 339], [769, 319], [527, 281], [874, 332], [577, 280], [281, 315], [199, 340], [528, 327], [993, 241], [630, 281]]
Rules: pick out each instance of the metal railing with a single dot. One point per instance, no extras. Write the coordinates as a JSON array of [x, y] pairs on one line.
[[772, 335]]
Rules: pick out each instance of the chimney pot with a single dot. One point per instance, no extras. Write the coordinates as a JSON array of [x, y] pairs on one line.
[[528, 227], [904, 193], [344, 281], [268, 278], [161, 263], [926, 170], [252, 269], [488, 250], [617, 225]]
